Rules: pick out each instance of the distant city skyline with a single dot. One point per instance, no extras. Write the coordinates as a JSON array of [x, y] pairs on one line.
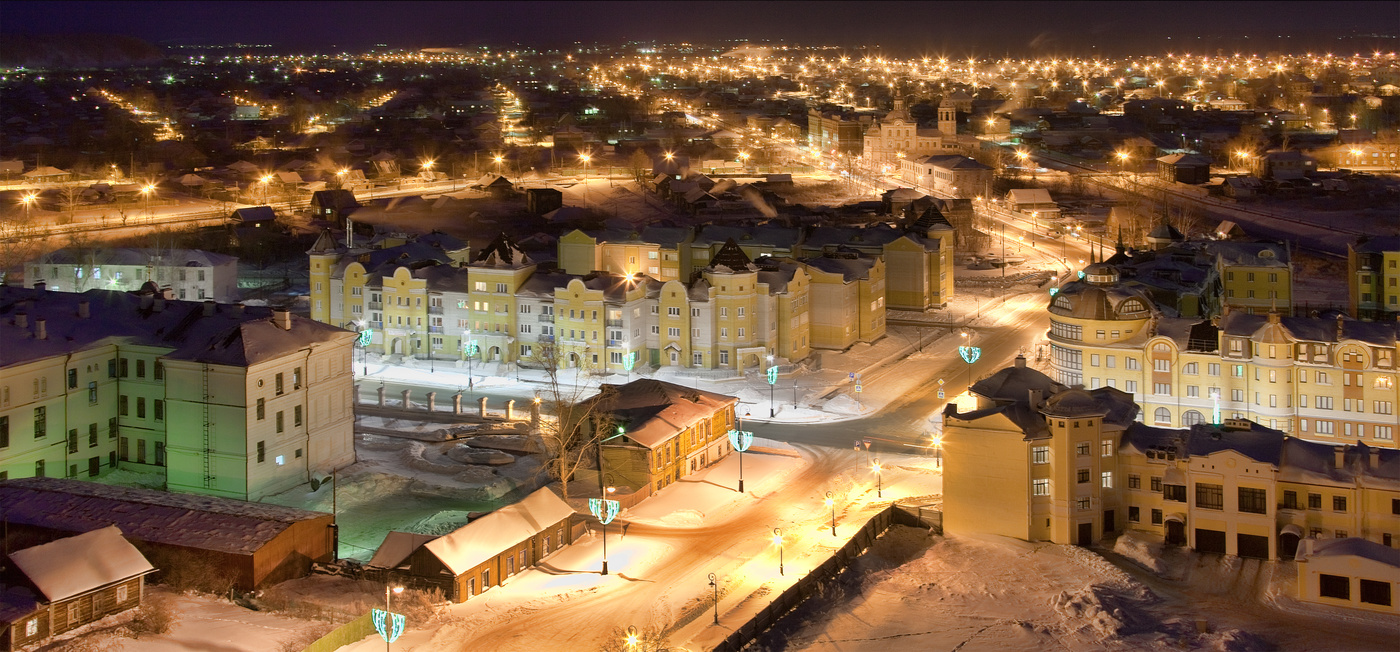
[[988, 29]]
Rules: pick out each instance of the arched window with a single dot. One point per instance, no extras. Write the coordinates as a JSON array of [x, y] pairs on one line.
[[1162, 347], [1132, 305], [1191, 418], [1163, 416], [1063, 301]]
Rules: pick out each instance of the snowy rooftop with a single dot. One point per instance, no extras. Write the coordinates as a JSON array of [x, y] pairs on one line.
[[135, 257], [492, 534], [397, 548], [653, 411], [67, 567], [229, 336], [204, 522], [1354, 547]]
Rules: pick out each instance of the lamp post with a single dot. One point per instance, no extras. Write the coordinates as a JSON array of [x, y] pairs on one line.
[[740, 440], [969, 354], [27, 200], [147, 191], [831, 504], [499, 159], [266, 183], [605, 510], [715, 585], [937, 451], [772, 383], [778, 541], [879, 484], [585, 158], [631, 637], [389, 615]]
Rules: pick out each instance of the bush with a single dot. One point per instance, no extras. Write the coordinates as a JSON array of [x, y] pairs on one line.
[[152, 618]]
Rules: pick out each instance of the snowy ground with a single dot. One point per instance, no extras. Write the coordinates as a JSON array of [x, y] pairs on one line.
[[200, 623], [982, 592]]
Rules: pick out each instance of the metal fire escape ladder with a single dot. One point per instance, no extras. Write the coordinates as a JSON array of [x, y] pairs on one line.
[[208, 435]]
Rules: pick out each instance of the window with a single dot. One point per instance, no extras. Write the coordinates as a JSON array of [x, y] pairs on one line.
[[673, 312], [724, 357], [1164, 366], [1334, 586], [262, 452], [1339, 503], [1162, 415], [296, 415], [1106, 448], [140, 407], [1253, 501], [277, 383], [1083, 504], [296, 377], [72, 440], [1190, 369], [1162, 389], [1130, 386], [1375, 592], [262, 409], [279, 421], [1156, 484], [1325, 427], [1314, 501], [1210, 496], [92, 392], [123, 367], [1106, 479], [697, 358], [140, 368], [1213, 368], [1130, 364], [1083, 476], [4, 432], [72, 378], [673, 332], [1156, 517], [1082, 448], [1290, 499], [1174, 492], [112, 428], [1134, 481], [39, 469], [1040, 487]]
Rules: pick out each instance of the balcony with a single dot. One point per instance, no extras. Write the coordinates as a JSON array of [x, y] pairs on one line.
[[548, 319], [545, 338], [375, 305], [435, 329], [617, 343], [377, 325], [615, 323], [435, 310]]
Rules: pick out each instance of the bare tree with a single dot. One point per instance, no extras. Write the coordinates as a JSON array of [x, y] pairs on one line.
[[639, 164], [1187, 220], [578, 424], [650, 639], [85, 251], [20, 240]]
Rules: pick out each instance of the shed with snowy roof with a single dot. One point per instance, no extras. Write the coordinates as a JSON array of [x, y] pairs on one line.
[[71, 582], [235, 543], [487, 551]]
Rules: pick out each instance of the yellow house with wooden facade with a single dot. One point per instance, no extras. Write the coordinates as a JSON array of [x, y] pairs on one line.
[[660, 432]]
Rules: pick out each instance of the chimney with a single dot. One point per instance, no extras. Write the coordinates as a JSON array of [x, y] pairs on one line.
[[1375, 458], [41, 329], [1035, 397], [22, 320], [158, 303], [209, 307], [1020, 361], [84, 309], [282, 319], [41, 286], [1339, 453]]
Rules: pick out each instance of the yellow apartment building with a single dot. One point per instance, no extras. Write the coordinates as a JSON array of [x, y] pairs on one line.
[[848, 300], [1037, 460], [663, 432], [1373, 278]]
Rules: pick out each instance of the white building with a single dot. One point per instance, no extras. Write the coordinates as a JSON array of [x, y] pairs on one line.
[[190, 274], [221, 399], [953, 175]]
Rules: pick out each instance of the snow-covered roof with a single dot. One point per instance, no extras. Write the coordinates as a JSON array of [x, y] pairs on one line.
[[1352, 547], [136, 257], [1029, 196], [490, 535], [397, 547], [201, 522], [653, 411], [70, 566], [227, 335]]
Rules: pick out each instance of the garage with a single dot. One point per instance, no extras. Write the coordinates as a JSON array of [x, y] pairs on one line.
[[1210, 541], [1250, 545]]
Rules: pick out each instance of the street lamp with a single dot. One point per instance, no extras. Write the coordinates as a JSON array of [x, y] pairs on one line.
[[831, 504], [772, 383], [715, 585], [740, 440], [778, 541], [147, 191], [499, 159], [879, 484], [27, 200], [585, 158], [632, 637], [937, 451], [388, 614]]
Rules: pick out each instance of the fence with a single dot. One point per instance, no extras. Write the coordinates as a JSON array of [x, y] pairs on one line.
[[346, 634], [810, 584]]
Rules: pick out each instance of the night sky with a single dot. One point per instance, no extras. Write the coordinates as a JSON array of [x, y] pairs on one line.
[[988, 28]]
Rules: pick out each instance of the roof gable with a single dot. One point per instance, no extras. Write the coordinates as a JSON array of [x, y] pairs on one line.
[[74, 565]]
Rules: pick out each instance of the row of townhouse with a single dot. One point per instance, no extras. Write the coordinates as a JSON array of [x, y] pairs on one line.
[[220, 399], [1031, 458], [189, 273], [917, 255], [1322, 378], [419, 301]]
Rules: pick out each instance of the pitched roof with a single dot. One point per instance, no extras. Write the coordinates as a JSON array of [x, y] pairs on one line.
[[1030, 196], [74, 565], [653, 411], [730, 255], [490, 535], [1352, 547], [202, 522], [397, 548]]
